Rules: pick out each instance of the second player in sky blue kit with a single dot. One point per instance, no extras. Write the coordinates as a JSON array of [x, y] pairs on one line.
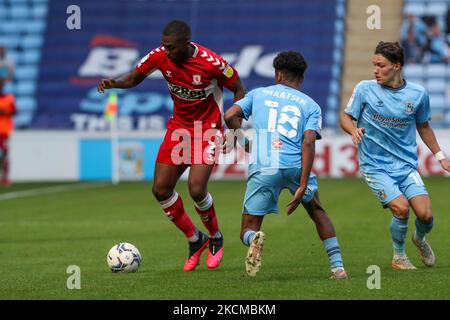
[[388, 111], [286, 123]]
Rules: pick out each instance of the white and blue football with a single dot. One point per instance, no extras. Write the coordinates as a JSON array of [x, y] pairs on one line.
[[124, 257]]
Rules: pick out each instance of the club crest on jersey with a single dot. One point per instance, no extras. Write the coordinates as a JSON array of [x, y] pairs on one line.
[[196, 79], [381, 194], [409, 107]]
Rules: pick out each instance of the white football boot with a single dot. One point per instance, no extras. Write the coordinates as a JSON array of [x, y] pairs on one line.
[[253, 259]]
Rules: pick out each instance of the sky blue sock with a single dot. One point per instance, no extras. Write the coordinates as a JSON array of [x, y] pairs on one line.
[[399, 227], [334, 252], [423, 228], [248, 237]]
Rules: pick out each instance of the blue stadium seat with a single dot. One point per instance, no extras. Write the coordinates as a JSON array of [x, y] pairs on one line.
[[23, 119], [28, 72], [437, 101], [32, 41], [9, 41], [25, 87], [413, 71], [3, 13], [435, 70], [20, 11], [436, 85], [35, 26], [26, 104], [39, 10], [30, 56]]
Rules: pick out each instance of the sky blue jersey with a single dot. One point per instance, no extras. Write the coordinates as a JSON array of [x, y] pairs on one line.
[[389, 117], [280, 116]]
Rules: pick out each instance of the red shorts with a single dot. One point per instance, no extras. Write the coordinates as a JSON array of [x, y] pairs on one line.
[[181, 148], [4, 141]]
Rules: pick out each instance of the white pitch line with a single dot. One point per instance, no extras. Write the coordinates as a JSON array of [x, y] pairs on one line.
[[50, 190]]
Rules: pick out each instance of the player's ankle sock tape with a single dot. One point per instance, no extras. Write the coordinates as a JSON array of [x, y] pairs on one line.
[[248, 237], [334, 252], [423, 228]]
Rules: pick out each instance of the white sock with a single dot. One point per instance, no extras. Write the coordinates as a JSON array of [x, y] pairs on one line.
[[194, 237]]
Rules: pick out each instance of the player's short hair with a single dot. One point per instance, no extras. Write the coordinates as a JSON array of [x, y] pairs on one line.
[[392, 51], [292, 64], [178, 28]]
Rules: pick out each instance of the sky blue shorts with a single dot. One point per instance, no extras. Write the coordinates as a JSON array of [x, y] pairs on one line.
[[264, 188], [386, 187]]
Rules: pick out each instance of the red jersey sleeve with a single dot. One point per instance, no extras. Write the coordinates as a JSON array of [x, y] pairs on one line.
[[151, 61], [225, 74]]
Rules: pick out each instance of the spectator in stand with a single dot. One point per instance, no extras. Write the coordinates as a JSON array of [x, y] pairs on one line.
[[6, 66], [413, 34], [439, 50]]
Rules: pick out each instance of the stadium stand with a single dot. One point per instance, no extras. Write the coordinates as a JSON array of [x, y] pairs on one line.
[[431, 67], [22, 28]]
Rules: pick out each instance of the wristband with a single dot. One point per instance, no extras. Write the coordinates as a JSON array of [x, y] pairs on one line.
[[439, 156]]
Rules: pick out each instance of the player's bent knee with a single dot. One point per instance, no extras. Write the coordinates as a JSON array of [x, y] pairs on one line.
[[160, 193], [401, 211], [197, 192], [427, 217]]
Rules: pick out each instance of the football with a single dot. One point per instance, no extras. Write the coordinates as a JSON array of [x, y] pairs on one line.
[[123, 257]]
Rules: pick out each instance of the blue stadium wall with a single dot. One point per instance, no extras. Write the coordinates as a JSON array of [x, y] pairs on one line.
[[58, 68]]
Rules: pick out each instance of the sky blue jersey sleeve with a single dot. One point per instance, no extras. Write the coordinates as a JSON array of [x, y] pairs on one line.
[[314, 121], [246, 104], [355, 104], [423, 112]]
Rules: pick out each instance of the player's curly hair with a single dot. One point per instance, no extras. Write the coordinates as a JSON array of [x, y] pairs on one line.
[[292, 64], [392, 51], [178, 28]]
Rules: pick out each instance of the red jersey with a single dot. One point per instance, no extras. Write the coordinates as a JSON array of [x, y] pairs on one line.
[[196, 86], [7, 109]]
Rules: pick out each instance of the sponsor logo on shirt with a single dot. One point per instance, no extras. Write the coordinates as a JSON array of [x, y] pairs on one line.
[[186, 93], [277, 144], [390, 122]]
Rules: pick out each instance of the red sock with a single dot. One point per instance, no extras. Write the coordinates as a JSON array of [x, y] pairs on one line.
[[205, 209], [173, 207]]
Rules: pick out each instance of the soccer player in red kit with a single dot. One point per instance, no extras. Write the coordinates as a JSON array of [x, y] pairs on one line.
[[195, 76], [7, 110]]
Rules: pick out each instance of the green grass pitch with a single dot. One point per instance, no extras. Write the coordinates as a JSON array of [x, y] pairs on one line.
[[42, 235]]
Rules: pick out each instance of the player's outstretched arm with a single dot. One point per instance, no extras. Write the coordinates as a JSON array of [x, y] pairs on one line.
[[308, 152], [238, 89], [429, 138], [348, 126], [128, 80], [233, 118]]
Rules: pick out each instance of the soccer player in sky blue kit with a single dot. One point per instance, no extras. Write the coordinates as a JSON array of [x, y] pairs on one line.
[[387, 112], [287, 123]]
